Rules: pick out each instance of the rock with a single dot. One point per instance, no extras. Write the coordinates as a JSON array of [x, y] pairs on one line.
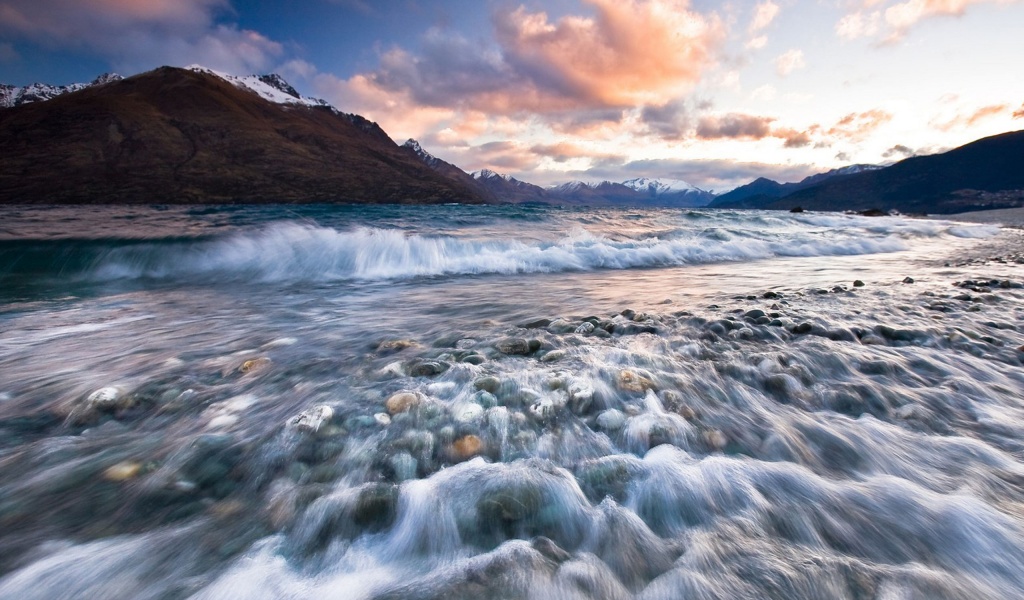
[[313, 419], [628, 313], [485, 399], [473, 359], [535, 324], [581, 396], [631, 381], [797, 209], [123, 471], [468, 412], [487, 384], [754, 314], [611, 420], [107, 399], [382, 419], [549, 549], [428, 368], [771, 295], [254, 365], [542, 410], [467, 446], [858, 283], [553, 356], [908, 280], [803, 328], [401, 402], [715, 439], [393, 346], [403, 465], [585, 328], [513, 346], [376, 507]]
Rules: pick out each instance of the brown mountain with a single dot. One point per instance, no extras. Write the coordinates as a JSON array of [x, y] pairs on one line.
[[984, 174], [181, 136]]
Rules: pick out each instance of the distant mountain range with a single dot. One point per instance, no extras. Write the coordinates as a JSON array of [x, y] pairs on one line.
[[984, 174], [762, 191], [198, 136]]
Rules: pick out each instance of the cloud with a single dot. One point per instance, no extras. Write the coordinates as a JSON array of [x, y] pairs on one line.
[[895, 19], [764, 14], [757, 43], [857, 126], [141, 34], [972, 118], [1019, 113], [900, 151], [789, 62], [630, 52], [671, 121], [734, 125]]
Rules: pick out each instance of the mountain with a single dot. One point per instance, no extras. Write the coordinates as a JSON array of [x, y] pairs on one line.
[[509, 189], [196, 136], [761, 192], [634, 192], [11, 96], [985, 174]]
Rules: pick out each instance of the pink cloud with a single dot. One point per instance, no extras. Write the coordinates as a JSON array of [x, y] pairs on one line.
[[895, 19]]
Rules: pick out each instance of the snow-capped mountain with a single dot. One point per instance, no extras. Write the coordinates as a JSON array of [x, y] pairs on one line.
[[642, 191], [428, 158], [271, 87], [11, 95], [659, 187]]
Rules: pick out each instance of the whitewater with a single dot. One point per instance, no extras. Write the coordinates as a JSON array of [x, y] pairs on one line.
[[508, 402]]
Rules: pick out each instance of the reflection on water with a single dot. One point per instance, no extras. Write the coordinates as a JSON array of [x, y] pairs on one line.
[[506, 402]]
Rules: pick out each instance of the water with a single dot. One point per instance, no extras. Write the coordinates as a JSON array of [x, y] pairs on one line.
[[590, 410]]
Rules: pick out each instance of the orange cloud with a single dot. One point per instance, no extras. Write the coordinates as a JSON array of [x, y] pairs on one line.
[[1019, 113], [631, 52], [857, 126], [962, 121]]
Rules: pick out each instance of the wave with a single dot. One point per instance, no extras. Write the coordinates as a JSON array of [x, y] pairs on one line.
[[288, 251]]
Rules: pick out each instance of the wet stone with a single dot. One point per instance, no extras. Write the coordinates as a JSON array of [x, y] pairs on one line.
[[513, 346], [487, 384], [754, 314], [467, 447], [401, 402], [803, 328], [908, 280], [376, 507], [554, 355], [428, 368], [858, 283]]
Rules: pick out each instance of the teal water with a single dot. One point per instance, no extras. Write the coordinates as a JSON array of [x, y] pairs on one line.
[[195, 403]]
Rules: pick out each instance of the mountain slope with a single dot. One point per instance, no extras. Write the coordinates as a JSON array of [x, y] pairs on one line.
[[178, 135], [762, 191], [987, 173]]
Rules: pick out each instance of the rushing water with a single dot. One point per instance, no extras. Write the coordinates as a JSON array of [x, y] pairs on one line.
[[468, 402]]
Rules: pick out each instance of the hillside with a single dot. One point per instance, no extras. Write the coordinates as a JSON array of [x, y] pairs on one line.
[[190, 136]]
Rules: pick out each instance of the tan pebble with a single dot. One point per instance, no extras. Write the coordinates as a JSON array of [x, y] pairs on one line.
[[254, 365], [401, 402], [631, 381], [123, 471], [467, 446], [396, 345], [716, 439]]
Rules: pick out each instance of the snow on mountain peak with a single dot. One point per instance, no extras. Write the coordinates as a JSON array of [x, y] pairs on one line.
[[489, 174], [659, 187], [11, 96], [272, 87]]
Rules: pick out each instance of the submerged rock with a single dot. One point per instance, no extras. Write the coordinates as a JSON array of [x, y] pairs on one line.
[[401, 402], [513, 346], [467, 447], [107, 399], [313, 419]]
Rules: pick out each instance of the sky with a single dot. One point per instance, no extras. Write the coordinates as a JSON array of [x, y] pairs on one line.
[[714, 93]]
